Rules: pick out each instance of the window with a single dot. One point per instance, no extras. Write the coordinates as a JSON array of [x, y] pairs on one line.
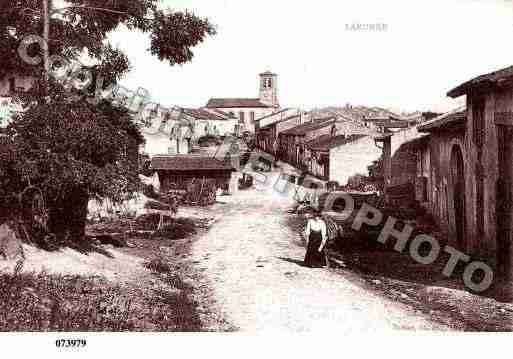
[[12, 85], [269, 83], [252, 116], [241, 116]]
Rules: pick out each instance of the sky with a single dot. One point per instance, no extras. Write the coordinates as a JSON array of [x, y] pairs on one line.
[[422, 50]]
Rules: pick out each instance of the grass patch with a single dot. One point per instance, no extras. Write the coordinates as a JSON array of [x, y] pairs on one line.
[[178, 228], [42, 302]]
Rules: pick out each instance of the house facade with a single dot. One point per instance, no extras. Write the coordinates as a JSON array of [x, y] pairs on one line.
[[468, 164], [175, 131], [248, 110], [267, 136], [292, 142], [320, 156]]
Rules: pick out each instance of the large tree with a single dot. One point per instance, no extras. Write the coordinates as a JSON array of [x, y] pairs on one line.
[[71, 148]]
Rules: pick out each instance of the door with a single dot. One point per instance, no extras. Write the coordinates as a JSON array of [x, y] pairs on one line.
[[503, 200], [458, 181]]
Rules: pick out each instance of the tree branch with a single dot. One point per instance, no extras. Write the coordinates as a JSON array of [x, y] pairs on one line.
[[98, 9], [89, 8]]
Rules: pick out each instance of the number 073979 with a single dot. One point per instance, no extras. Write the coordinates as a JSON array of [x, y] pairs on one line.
[[70, 343]]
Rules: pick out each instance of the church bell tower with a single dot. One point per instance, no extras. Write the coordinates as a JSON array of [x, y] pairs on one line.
[[269, 89]]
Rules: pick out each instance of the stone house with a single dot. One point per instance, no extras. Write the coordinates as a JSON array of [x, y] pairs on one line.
[[267, 136], [211, 122], [320, 156], [468, 165], [277, 116], [175, 131], [248, 110], [292, 142]]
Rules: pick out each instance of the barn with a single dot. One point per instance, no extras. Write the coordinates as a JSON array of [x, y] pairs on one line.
[[176, 171]]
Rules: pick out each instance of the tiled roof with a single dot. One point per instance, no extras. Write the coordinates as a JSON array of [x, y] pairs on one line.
[[280, 121], [455, 117], [381, 118], [326, 142], [222, 113], [236, 103], [189, 163], [273, 114], [310, 126], [201, 114], [491, 78], [417, 142]]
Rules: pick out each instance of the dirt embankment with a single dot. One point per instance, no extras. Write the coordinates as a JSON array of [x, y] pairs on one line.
[[148, 285]]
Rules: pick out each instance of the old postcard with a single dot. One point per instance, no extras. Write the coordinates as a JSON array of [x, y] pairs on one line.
[[255, 167]]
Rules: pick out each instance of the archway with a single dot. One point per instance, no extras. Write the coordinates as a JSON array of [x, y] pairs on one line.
[[458, 190]]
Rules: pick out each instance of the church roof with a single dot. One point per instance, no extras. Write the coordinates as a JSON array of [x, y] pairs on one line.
[[236, 103]]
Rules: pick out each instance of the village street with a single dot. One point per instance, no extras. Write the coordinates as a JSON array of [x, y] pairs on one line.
[[251, 260]]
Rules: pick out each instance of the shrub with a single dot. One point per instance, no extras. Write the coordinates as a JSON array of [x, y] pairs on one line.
[[179, 228], [158, 265]]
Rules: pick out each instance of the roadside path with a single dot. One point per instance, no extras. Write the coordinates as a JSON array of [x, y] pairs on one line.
[[251, 261]]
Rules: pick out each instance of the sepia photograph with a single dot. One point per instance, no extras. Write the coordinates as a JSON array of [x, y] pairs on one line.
[[176, 169]]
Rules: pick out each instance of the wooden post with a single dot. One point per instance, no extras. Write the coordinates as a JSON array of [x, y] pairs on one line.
[[387, 164], [201, 189]]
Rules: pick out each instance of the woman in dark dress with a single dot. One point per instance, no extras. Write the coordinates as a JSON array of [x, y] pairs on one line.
[[316, 236]]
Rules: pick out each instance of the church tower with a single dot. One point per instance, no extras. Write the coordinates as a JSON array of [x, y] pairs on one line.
[[269, 89]]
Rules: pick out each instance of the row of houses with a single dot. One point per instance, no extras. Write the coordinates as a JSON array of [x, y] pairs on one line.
[[461, 165], [320, 146], [458, 165]]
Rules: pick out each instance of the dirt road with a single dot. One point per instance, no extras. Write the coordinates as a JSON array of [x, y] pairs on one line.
[[251, 260]]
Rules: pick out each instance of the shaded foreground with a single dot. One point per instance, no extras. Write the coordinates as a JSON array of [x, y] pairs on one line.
[[146, 286], [45, 302]]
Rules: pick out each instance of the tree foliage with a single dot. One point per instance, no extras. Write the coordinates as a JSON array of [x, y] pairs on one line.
[[72, 148]]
